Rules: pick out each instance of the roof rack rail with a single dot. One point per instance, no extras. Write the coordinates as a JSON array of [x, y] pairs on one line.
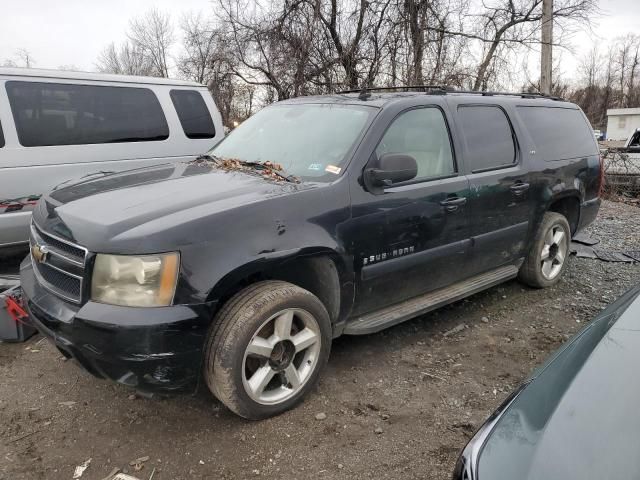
[[364, 92], [424, 88], [487, 93]]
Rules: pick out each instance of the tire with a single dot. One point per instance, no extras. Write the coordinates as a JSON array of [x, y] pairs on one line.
[[259, 337], [551, 242]]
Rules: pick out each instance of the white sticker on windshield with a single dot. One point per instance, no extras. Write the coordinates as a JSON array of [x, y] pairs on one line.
[[315, 166], [333, 169]]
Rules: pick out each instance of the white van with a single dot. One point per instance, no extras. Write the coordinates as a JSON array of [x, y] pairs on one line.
[[58, 125]]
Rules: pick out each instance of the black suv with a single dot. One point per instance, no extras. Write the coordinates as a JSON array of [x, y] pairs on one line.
[[317, 217]]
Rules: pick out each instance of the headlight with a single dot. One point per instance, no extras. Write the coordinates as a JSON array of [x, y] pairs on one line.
[[135, 281]]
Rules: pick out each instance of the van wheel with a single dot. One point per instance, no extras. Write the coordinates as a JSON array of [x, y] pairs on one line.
[[549, 254], [267, 348]]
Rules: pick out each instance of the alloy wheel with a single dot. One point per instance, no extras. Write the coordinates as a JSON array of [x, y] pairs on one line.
[[554, 252], [281, 356]]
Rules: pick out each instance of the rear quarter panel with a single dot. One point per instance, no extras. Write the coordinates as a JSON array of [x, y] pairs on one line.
[[556, 179]]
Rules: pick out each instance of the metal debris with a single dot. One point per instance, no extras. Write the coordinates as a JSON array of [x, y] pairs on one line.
[[587, 251], [582, 251], [124, 476], [635, 254], [20, 437], [79, 471], [612, 256], [112, 474], [585, 239], [138, 463], [455, 330]]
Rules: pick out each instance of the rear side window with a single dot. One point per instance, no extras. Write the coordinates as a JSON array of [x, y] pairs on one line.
[[66, 114], [488, 136], [558, 133], [1, 137], [193, 114]]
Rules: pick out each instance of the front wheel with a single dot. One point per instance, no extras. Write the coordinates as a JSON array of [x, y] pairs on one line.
[[267, 348], [549, 253]]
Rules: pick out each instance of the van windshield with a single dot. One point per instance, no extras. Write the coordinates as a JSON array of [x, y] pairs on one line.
[[310, 141]]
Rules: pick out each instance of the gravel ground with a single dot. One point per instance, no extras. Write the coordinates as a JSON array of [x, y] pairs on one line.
[[398, 404]]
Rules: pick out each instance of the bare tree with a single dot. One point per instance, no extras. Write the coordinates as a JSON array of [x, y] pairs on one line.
[[590, 67], [510, 22], [127, 59], [278, 47], [250, 53], [609, 80], [152, 35], [22, 58], [627, 53], [25, 58], [202, 43]]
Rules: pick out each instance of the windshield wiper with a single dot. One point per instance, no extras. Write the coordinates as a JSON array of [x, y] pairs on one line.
[[206, 157], [273, 168], [269, 168]]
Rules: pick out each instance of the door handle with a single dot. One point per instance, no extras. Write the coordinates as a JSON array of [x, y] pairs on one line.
[[451, 204], [519, 188]]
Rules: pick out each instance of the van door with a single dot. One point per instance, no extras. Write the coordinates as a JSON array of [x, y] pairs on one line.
[[414, 236], [499, 203]]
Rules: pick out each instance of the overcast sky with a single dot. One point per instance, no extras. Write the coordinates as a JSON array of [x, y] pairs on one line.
[[73, 32]]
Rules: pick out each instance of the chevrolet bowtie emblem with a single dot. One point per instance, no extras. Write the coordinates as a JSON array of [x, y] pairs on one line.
[[39, 253]]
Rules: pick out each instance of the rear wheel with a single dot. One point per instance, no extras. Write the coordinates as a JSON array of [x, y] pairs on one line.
[[548, 256], [266, 351]]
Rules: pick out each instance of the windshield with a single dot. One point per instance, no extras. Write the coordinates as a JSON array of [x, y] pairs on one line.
[[310, 141]]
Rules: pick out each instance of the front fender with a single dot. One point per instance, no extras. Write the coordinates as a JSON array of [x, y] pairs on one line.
[[248, 244]]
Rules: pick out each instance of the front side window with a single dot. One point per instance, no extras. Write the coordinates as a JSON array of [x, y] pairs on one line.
[[67, 114], [310, 141], [488, 137], [193, 114], [421, 133]]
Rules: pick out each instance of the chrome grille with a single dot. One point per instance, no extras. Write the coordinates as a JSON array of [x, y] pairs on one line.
[[61, 264]]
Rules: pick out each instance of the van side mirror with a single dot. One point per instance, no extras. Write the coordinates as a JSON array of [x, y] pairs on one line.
[[392, 168]]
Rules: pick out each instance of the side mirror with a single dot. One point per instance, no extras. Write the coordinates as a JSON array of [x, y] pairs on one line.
[[392, 168]]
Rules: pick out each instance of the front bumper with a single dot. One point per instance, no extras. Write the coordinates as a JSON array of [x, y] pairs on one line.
[[155, 350]]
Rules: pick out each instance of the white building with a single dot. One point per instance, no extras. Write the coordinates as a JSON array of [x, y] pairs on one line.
[[622, 122]]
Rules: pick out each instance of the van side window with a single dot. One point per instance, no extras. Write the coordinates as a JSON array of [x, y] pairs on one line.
[[488, 136], [193, 114], [1, 137], [558, 133], [67, 114], [421, 133]]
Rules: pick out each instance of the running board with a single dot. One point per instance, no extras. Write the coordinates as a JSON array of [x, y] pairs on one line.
[[398, 313]]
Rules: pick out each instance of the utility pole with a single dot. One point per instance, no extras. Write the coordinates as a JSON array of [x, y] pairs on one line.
[[547, 41]]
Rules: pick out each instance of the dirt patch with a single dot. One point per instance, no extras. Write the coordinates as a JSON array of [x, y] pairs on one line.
[[398, 404]]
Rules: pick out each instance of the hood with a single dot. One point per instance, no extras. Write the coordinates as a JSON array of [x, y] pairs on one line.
[[578, 416], [108, 206]]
